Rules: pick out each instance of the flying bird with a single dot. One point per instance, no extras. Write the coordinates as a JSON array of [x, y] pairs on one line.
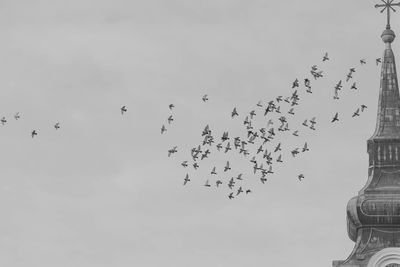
[[295, 152], [296, 133], [279, 159], [234, 113], [3, 120], [305, 147], [34, 133], [172, 150], [57, 126], [240, 190], [207, 184], [378, 60], [325, 58], [295, 83], [278, 147], [354, 86], [336, 117], [231, 196], [363, 107], [205, 98], [184, 164], [170, 119], [259, 104], [300, 177], [356, 113], [171, 106], [214, 171], [227, 167], [123, 110], [362, 61], [17, 116], [163, 129], [186, 179]]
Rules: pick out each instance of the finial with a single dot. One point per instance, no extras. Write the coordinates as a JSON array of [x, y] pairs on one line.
[[387, 5]]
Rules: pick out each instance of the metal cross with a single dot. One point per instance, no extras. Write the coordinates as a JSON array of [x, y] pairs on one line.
[[387, 5]]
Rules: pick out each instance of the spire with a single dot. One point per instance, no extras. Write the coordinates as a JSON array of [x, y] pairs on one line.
[[388, 121]]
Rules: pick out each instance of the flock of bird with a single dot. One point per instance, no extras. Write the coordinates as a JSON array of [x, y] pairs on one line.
[[262, 146], [34, 132]]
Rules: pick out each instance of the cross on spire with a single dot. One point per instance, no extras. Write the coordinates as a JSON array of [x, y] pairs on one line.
[[387, 5]]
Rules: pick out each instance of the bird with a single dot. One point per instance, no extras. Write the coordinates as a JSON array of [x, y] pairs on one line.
[[339, 86], [234, 112], [225, 136], [354, 86], [184, 164], [305, 123], [219, 146], [270, 169], [356, 113], [295, 152], [279, 159], [123, 110], [239, 177], [378, 60], [312, 121], [205, 98], [170, 119], [263, 179], [186, 179], [252, 114], [228, 147], [34, 132], [363, 107], [3, 120], [227, 167], [230, 196], [195, 166], [57, 126], [362, 61], [163, 129], [260, 149], [16, 116], [214, 171], [240, 190], [325, 58], [206, 131], [218, 183], [259, 104], [336, 117], [305, 147], [300, 177], [348, 77], [278, 147], [172, 150], [207, 184], [296, 133], [291, 111], [171, 106], [295, 83], [352, 70], [279, 98]]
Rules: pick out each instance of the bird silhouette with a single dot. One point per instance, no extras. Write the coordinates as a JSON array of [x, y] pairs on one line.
[[205, 98], [171, 106], [363, 107], [33, 133], [300, 177], [234, 113], [378, 60], [186, 179], [354, 86], [356, 113], [123, 110], [17, 116], [336, 117], [163, 129], [184, 163], [305, 147], [170, 119], [57, 126], [172, 151], [325, 58], [362, 61]]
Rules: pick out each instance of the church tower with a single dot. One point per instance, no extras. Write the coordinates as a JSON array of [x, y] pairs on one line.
[[373, 217]]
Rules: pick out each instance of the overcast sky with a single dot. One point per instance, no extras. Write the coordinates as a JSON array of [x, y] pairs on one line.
[[101, 191]]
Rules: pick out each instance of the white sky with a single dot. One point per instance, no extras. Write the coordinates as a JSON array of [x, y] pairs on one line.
[[101, 191]]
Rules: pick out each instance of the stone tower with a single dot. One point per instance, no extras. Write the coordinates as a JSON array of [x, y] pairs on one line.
[[373, 217]]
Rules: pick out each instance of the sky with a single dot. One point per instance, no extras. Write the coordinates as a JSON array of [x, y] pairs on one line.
[[102, 191]]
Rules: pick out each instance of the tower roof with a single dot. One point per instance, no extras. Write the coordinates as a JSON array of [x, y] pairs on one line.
[[388, 120]]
